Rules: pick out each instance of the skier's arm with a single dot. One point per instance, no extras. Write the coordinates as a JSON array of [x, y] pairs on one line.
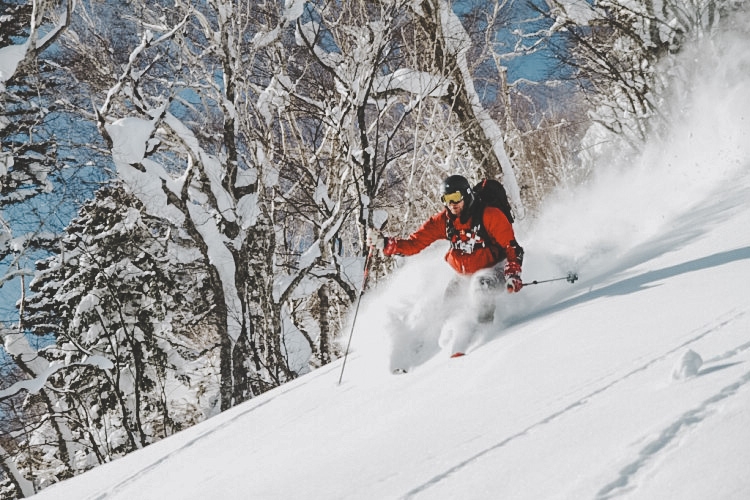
[[501, 231], [430, 232]]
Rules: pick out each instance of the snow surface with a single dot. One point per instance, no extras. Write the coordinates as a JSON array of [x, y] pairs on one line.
[[570, 394]]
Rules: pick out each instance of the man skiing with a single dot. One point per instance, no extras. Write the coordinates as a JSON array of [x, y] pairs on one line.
[[483, 250]]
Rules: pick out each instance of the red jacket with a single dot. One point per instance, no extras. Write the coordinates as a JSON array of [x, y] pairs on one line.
[[467, 254]]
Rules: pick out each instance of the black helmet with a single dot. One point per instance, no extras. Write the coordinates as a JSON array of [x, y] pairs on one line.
[[458, 184]]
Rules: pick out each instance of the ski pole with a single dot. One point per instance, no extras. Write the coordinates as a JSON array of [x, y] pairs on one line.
[[570, 278], [356, 309]]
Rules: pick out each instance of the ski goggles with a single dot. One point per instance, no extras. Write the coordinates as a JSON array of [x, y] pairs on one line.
[[453, 198]]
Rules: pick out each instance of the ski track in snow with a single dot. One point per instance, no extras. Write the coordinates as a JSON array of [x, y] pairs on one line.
[[120, 485], [682, 425], [686, 421], [125, 482]]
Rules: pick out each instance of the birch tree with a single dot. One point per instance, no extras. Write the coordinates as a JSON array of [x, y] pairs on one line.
[[349, 114]]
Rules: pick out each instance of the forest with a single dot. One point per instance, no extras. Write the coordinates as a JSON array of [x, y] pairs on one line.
[[186, 185]]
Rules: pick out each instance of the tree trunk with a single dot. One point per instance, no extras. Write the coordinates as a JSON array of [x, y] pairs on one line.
[[480, 146], [324, 342], [22, 486]]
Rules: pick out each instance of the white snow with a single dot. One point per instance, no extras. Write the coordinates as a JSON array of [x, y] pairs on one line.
[[689, 365], [419, 83], [130, 137], [293, 9], [569, 394], [579, 12], [10, 57], [34, 385]]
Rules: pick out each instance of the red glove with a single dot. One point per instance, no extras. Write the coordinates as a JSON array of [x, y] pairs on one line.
[[513, 281]]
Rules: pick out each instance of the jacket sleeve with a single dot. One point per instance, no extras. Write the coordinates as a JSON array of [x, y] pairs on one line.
[[501, 230], [431, 231]]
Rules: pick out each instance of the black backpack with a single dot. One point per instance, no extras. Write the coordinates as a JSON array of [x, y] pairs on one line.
[[492, 194]]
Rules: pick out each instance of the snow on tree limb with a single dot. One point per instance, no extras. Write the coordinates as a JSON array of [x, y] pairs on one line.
[[293, 9], [578, 12], [25, 486], [10, 57], [419, 83], [36, 384], [129, 137], [147, 40], [17, 345]]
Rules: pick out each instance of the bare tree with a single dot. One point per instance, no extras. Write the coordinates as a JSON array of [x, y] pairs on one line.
[[617, 48]]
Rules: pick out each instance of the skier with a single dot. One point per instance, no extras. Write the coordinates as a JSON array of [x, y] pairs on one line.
[[483, 250]]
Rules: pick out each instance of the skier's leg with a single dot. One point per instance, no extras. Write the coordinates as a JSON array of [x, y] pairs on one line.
[[454, 291], [454, 302], [484, 287]]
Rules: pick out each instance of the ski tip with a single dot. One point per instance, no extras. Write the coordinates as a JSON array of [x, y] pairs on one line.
[[457, 355]]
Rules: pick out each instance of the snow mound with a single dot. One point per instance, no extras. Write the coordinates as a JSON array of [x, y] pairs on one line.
[[688, 365]]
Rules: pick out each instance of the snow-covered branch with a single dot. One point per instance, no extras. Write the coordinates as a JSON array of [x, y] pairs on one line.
[[147, 41], [25, 487], [13, 56], [36, 384]]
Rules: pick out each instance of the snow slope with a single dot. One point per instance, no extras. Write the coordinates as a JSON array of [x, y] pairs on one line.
[[632, 383]]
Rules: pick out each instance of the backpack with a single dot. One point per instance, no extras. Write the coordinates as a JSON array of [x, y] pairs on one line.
[[492, 194]]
